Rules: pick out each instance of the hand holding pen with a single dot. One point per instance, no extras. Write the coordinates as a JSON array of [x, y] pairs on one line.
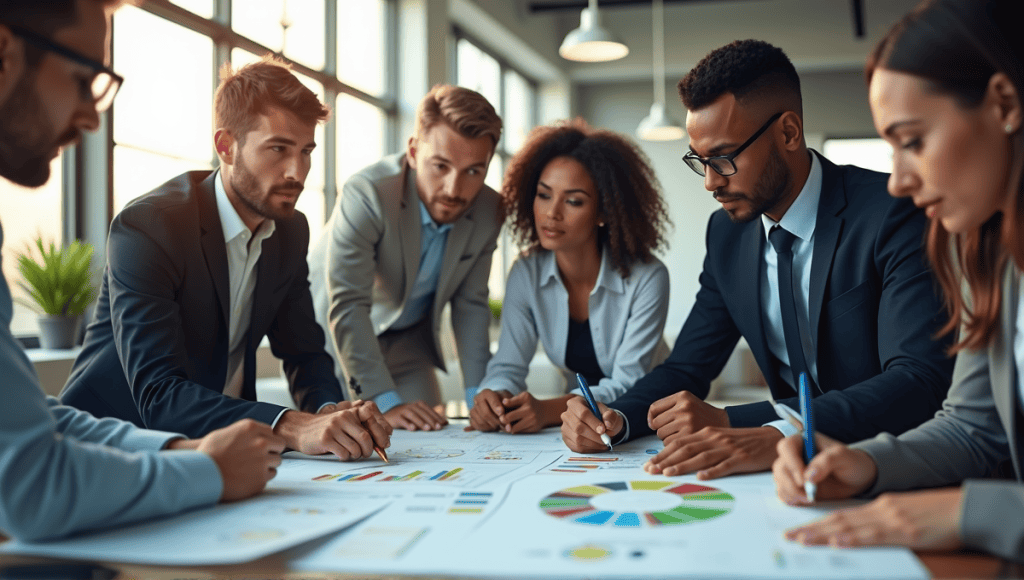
[[808, 460], [586, 427]]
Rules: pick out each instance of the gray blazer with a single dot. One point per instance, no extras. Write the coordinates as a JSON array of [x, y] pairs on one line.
[[63, 471], [363, 267], [627, 319], [968, 439]]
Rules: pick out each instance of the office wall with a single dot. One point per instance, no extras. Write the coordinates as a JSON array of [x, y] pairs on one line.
[[835, 105]]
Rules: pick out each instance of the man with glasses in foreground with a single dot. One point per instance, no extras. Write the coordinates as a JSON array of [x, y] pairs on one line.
[[815, 265], [62, 470]]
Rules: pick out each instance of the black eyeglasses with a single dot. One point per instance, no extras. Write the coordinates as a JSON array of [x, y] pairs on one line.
[[104, 84], [722, 164]]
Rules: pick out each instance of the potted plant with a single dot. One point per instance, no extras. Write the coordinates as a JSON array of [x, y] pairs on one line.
[[59, 281]]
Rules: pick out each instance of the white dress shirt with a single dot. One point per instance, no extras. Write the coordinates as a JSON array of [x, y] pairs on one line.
[[243, 252]]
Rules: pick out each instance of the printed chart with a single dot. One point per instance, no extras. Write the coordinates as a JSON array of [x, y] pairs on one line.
[[578, 464], [638, 503], [379, 476]]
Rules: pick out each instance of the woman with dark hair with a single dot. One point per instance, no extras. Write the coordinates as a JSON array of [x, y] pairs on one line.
[[945, 91], [587, 206]]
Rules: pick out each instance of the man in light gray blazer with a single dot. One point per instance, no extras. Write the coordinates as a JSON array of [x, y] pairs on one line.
[[62, 470], [408, 235]]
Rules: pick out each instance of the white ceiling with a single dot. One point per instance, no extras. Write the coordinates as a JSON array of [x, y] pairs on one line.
[[818, 35]]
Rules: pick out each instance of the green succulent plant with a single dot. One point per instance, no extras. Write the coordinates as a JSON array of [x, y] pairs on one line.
[[59, 281], [495, 305]]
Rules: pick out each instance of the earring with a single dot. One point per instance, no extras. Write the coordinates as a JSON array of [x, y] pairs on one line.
[[1008, 128], [600, 224]]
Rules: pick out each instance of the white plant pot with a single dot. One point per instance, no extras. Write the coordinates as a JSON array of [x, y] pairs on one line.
[[58, 331]]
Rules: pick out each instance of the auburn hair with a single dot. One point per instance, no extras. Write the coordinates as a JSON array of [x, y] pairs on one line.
[[248, 92]]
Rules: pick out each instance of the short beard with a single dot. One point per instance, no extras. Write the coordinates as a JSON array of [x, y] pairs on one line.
[[246, 188], [24, 158], [770, 190]]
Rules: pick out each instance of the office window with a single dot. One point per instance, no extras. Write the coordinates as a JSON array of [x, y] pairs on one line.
[[362, 46], [360, 132], [165, 125], [25, 214], [514, 97], [202, 8], [292, 27], [164, 115], [870, 153]]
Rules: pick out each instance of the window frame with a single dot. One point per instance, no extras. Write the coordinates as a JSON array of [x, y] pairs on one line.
[[87, 192], [508, 250]]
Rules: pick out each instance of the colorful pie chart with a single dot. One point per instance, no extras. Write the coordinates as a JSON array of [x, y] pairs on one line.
[[636, 504]]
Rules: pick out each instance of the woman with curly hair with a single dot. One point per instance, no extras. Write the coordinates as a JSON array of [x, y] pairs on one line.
[[587, 206]]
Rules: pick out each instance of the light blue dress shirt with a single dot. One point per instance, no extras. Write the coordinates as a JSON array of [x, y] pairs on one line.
[[432, 245], [63, 471], [798, 220], [626, 315]]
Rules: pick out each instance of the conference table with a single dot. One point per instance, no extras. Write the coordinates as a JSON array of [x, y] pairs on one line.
[[965, 565], [956, 564]]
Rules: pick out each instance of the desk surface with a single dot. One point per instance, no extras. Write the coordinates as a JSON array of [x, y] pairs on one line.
[[953, 565], [940, 565]]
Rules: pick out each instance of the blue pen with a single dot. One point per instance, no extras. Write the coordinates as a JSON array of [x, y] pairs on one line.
[[589, 397], [807, 413]]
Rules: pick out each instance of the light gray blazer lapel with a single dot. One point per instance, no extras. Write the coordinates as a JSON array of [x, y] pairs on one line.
[[1003, 367], [410, 233]]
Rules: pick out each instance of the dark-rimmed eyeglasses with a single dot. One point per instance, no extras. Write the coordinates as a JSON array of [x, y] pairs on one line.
[[722, 164], [103, 86]]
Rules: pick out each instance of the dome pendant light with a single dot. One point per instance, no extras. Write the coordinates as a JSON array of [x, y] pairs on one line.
[[658, 126], [591, 42]]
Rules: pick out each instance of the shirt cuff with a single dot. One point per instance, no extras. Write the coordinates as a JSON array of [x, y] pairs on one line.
[[624, 434], [470, 395], [387, 400], [278, 418], [320, 408], [783, 426]]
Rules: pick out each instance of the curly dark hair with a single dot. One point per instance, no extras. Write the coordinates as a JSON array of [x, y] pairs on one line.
[[629, 195], [743, 68]]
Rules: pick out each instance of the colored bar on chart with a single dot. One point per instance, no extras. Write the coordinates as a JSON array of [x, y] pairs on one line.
[[325, 477], [390, 478], [438, 476], [450, 474], [410, 476], [348, 477], [368, 476], [593, 459]]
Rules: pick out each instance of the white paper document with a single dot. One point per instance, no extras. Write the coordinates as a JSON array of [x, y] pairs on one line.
[[568, 515], [282, 517]]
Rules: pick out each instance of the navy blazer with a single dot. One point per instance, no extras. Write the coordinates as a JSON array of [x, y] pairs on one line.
[[156, 352], [874, 310]]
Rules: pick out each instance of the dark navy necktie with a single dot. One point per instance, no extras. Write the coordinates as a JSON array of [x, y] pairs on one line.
[[782, 241]]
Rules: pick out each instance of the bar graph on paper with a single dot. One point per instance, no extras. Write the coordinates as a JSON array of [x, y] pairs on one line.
[[380, 476]]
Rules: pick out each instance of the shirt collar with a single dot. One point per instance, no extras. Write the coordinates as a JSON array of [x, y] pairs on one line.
[[608, 277], [230, 222], [801, 217], [428, 221]]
